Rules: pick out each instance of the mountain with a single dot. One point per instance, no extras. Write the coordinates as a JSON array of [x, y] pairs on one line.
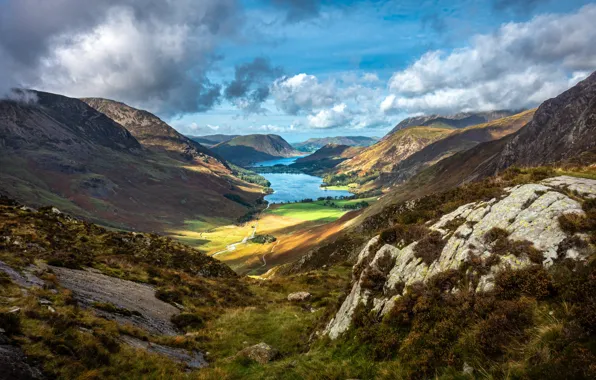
[[210, 140], [248, 149], [325, 158], [460, 140], [313, 144], [384, 155], [460, 120], [152, 132], [63, 152]]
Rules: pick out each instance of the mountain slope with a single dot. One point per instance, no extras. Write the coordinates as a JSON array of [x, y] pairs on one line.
[[457, 141], [395, 147], [245, 150], [325, 158], [563, 129], [211, 140], [460, 120], [152, 132], [314, 144], [61, 151]]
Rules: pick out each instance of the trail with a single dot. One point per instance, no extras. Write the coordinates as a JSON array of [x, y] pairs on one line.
[[232, 247], [272, 249]]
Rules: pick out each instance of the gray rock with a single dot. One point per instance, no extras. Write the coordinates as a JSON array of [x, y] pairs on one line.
[[192, 359], [261, 353], [299, 296], [528, 212]]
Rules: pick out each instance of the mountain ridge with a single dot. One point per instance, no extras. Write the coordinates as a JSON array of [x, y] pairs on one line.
[[248, 149]]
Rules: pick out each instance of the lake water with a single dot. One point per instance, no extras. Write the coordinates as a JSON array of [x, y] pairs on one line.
[[295, 187], [279, 161]]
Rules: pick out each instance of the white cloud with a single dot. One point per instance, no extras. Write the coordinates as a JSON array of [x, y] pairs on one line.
[[371, 77], [334, 117], [302, 92], [520, 65]]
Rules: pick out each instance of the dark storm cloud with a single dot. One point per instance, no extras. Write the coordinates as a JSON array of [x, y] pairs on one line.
[[250, 87], [150, 53]]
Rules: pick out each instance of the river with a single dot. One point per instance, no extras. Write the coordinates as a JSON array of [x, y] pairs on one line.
[[295, 187]]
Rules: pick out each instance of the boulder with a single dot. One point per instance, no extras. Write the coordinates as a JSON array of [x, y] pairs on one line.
[[299, 296], [527, 213], [261, 353]]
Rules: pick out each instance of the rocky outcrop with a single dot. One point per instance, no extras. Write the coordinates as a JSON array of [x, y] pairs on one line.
[[191, 359], [147, 312], [527, 215]]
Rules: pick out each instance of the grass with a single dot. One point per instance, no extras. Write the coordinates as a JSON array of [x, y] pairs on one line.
[[308, 212]]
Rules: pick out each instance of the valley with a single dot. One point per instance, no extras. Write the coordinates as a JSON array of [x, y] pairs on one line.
[[288, 190]]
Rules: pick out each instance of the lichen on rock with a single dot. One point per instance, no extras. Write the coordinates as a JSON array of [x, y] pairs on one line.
[[527, 213]]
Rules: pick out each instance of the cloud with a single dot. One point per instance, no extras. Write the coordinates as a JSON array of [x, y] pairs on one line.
[[370, 77], [335, 117], [302, 92], [250, 87], [154, 54], [520, 65]]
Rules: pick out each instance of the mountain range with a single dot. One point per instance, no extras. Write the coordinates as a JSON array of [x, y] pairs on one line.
[[140, 174], [248, 149], [459, 120], [477, 259], [313, 144]]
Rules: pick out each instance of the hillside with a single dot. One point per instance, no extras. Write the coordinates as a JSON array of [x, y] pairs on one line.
[[384, 155], [248, 149], [457, 141], [460, 120], [211, 140], [314, 144], [61, 151], [326, 158], [152, 132]]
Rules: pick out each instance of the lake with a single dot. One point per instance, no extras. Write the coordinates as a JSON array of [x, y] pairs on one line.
[[278, 161], [295, 187]]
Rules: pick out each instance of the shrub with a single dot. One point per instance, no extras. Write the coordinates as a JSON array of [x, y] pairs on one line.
[[495, 234], [401, 235], [533, 281], [429, 248], [187, 320], [10, 322]]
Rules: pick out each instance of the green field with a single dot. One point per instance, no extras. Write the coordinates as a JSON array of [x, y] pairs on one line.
[[308, 212], [315, 211]]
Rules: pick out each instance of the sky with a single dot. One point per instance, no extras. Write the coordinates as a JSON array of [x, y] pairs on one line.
[[298, 68]]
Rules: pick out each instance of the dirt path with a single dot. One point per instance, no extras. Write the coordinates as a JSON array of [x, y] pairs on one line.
[[232, 247], [90, 286]]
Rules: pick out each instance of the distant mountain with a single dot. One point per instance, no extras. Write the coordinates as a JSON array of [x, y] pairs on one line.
[[61, 151], [563, 129], [458, 141], [248, 149], [210, 140], [393, 148], [152, 132], [460, 120], [313, 144], [325, 158]]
